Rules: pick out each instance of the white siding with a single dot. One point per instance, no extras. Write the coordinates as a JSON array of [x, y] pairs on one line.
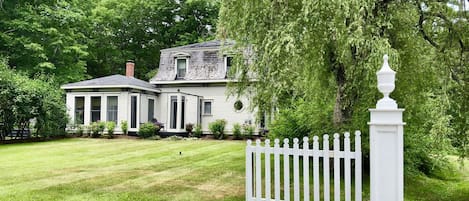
[[123, 107], [222, 107]]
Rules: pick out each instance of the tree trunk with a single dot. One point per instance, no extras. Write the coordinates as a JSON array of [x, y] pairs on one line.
[[339, 110]]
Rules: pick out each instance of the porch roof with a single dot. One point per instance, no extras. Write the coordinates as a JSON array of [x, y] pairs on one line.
[[112, 81]]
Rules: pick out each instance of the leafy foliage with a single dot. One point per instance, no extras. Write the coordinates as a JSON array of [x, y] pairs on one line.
[[317, 62], [97, 129], [44, 37], [198, 130], [77, 39], [147, 130], [248, 131], [236, 131], [110, 126], [23, 100], [124, 127], [217, 128], [138, 30]]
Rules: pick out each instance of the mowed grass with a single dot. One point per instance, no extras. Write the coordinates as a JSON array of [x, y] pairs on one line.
[[122, 169], [125, 169], [451, 185]]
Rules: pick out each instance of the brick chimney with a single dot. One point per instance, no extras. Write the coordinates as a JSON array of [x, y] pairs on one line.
[[129, 68]]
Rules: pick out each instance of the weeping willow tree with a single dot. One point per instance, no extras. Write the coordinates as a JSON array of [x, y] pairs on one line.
[[315, 64]]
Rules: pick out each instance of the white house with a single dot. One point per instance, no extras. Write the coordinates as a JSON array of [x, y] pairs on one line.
[[189, 88]]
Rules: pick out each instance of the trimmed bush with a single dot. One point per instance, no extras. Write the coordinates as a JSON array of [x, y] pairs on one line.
[[197, 131], [110, 126], [237, 131], [248, 131], [97, 129], [218, 128], [147, 130], [124, 127]]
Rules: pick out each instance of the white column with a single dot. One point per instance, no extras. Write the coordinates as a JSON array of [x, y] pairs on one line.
[[178, 112], [103, 107], [70, 103], [386, 142], [87, 118]]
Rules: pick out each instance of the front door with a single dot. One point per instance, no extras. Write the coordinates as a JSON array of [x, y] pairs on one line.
[[177, 112]]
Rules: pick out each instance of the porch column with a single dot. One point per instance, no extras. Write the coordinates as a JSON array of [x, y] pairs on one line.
[[87, 110], [386, 142], [178, 111]]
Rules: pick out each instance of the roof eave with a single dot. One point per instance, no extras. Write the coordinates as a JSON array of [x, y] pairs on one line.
[[110, 86]]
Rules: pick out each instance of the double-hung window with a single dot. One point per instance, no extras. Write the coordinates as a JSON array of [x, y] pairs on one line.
[[181, 67], [95, 108], [151, 109], [79, 110], [112, 108], [228, 64], [207, 107]]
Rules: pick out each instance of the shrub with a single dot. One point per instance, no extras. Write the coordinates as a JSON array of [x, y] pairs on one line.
[[248, 131], [86, 130], [101, 126], [218, 128], [80, 130], [95, 130], [197, 130], [147, 130], [110, 126], [237, 131], [23, 99], [124, 127], [189, 128]]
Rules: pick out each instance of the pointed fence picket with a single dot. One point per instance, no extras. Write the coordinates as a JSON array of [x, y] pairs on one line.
[[259, 187]]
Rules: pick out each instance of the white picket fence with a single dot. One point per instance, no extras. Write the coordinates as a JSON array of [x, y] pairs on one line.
[[258, 188]]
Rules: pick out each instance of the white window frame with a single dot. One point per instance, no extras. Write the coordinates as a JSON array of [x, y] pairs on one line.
[[148, 107], [100, 108], [75, 109], [179, 118], [129, 115], [176, 65], [107, 107], [225, 63], [211, 107]]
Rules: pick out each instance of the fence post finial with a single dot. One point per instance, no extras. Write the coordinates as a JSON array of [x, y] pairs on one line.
[[386, 142], [386, 78]]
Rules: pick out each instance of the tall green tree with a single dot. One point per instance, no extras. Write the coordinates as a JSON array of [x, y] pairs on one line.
[[138, 30], [315, 62], [44, 37]]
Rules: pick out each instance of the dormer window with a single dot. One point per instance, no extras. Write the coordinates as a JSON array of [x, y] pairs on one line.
[[181, 67], [228, 63]]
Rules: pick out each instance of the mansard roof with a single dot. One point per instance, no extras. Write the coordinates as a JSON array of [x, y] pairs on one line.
[[205, 63], [215, 44]]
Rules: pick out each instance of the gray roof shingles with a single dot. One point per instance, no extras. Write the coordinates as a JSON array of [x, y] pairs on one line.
[[205, 62], [112, 80], [207, 44]]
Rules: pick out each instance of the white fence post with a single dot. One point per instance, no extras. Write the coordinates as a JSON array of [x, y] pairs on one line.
[[386, 142], [248, 171]]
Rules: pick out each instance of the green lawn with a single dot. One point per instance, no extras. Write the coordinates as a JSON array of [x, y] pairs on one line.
[[122, 169], [125, 169]]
